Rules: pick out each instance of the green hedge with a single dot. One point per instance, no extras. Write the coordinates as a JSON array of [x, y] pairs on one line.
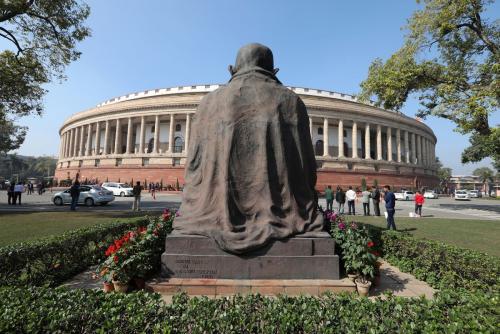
[[45, 310], [52, 260], [442, 266]]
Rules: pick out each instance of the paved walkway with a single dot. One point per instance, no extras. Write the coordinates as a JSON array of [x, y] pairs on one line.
[[391, 279]]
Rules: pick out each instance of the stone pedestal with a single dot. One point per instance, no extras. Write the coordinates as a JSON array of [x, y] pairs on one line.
[[303, 257]]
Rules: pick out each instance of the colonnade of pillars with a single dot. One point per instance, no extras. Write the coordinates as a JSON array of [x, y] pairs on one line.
[[85, 140], [411, 148]]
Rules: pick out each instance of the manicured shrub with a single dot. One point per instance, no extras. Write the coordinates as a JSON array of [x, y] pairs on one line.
[[52, 260], [441, 265], [45, 310]]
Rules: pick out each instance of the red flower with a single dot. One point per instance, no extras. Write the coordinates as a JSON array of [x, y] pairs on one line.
[[377, 254], [371, 244], [115, 258]]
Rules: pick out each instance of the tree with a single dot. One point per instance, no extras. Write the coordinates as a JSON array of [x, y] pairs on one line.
[[486, 176], [41, 37], [450, 60]]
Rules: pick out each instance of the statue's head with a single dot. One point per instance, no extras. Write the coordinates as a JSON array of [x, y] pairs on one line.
[[253, 56]]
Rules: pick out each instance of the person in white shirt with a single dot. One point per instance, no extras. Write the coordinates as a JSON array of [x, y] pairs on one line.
[[351, 198], [18, 190]]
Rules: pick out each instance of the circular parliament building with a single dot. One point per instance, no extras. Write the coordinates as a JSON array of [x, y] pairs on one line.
[[144, 137]]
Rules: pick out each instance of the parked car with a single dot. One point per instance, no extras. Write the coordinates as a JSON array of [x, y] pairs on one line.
[[462, 195], [118, 189], [474, 193], [89, 195], [405, 196], [430, 194]]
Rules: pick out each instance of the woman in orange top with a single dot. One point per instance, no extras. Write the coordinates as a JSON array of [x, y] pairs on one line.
[[419, 201]]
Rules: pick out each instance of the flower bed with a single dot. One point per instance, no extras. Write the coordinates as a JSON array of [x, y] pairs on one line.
[[43, 310], [50, 261], [357, 250], [137, 253]]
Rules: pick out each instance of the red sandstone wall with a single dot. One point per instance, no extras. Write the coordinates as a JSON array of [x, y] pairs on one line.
[[169, 175]]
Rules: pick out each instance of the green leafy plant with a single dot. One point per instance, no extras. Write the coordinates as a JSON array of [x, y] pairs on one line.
[[357, 248]]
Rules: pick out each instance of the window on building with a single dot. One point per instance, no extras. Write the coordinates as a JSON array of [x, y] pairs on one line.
[[145, 161], [80, 163], [176, 161], [320, 131], [177, 127], [153, 129], [118, 162], [97, 162], [178, 145], [319, 148], [345, 133]]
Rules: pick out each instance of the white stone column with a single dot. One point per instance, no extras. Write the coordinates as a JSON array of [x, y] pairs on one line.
[[398, 144], [129, 136], [424, 151], [379, 142], [118, 137], [142, 135], [367, 142], [341, 138], [156, 138], [88, 149], [354, 138], [413, 149], [187, 133], [61, 145], [75, 142], [97, 138], [407, 148], [389, 144], [311, 126], [171, 134], [419, 149], [325, 138], [106, 138], [82, 141], [68, 143]]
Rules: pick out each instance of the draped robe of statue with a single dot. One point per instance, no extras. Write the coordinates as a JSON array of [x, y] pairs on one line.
[[251, 170]]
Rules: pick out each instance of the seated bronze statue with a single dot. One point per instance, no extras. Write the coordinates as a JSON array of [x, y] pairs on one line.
[[251, 170]]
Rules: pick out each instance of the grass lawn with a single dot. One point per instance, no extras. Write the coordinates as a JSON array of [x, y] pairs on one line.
[[16, 227], [481, 235]]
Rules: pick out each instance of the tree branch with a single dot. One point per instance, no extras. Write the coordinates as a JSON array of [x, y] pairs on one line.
[[9, 15], [46, 19], [13, 39]]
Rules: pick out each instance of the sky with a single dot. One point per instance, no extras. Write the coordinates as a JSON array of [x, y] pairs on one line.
[[142, 45]]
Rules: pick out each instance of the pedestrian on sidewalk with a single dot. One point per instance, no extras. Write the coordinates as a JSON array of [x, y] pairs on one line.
[[136, 191], [153, 191], [351, 198], [390, 204], [340, 198], [366, 195], [18, 190], [10, 194], [329, 198], [74, 191], [419, 202], [376, 201]]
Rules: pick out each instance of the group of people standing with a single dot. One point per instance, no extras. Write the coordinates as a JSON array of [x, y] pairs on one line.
[[368, 194], [351, 196]]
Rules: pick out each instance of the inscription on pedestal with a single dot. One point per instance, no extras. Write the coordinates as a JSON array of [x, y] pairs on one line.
[[194, 267]]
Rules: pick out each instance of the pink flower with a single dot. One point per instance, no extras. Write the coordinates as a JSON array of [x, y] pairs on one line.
[[354, 226], [178, 214], [341, 226]]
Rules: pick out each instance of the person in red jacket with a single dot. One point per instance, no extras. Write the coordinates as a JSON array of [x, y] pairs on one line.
[[419, 201]]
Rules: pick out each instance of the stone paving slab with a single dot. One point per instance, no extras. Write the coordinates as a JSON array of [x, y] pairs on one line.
[[390, 279]]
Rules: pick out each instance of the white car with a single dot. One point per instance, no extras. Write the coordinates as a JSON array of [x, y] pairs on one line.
[[462, 195], [118, 189], [430, 194], [474, 193], [405, 196], [89, 195]]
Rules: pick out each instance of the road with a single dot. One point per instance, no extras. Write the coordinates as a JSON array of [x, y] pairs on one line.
[[480, 209]]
